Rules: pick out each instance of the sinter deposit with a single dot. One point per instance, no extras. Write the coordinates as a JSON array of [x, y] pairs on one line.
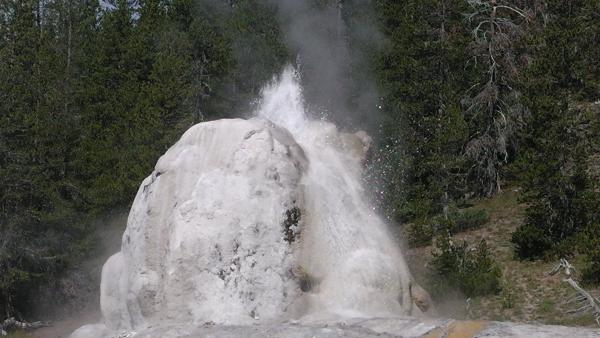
[[253, 221]]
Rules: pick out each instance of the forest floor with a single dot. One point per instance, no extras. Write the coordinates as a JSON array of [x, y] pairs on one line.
[[529, 293]]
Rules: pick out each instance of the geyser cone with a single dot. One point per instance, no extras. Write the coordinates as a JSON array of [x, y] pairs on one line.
[[205, 239], [254, 221]]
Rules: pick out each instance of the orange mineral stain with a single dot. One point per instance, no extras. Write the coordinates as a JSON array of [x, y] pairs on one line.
[[458, 329]]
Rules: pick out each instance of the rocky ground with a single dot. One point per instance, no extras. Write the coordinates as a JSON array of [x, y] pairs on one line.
[[365, 328]]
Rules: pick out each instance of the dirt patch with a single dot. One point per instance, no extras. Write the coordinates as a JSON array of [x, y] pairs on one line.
[[458, 329]]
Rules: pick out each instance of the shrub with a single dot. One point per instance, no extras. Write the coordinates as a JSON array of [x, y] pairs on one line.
[[589, 245], [419, 233], [531, 242], [508, 297], [591, 271], [422, 231], [468, 219], [470, 270]]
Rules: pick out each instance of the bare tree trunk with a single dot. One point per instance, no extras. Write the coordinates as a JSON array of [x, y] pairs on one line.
[[69, 36], [585, 302], [443, 28], [67, 78], [12, 323]]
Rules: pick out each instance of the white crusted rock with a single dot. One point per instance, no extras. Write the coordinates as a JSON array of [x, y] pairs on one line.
[[206, 237], [251, 222]]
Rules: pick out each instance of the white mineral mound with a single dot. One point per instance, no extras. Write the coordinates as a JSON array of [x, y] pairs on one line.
[[254, 221], [205, 238]]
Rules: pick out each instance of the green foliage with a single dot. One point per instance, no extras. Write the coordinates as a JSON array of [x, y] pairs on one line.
[[467, 219], [561, 137], [559, 210], [419, 233], [422, 231], [588, 242], [40, 228], [531, 242], [470, 270], [591, 271], [492, 104], [88, 102], [442, 140]]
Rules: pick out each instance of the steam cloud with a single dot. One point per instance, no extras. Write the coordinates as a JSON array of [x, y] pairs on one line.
[[332, 39]]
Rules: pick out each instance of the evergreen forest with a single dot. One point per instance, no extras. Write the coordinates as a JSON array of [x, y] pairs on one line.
[[463, 98]]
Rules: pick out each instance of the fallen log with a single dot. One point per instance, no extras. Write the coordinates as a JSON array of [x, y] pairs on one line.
[[11, 323], [583, 300]]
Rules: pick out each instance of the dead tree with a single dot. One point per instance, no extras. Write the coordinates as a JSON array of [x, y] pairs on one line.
[[583, 300], [492, 103]]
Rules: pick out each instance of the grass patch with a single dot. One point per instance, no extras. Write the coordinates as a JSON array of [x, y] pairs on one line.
[[18, 334], [527, 293], [421, 232], [546, 306]]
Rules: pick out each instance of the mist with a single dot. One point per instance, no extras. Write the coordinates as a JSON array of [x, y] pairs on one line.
[[334, 43]]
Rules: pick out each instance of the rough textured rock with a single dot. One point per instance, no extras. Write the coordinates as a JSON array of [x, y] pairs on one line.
[[218, 233], [205, 237], [401, 327], [236, 226], [422, 299]]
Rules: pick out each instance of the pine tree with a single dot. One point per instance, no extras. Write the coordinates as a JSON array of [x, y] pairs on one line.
[[40, 228], [424, 126], [493, 105], [559, 138]]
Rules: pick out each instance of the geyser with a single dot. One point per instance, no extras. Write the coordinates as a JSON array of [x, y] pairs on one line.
[[344, 244], [254, 221]]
